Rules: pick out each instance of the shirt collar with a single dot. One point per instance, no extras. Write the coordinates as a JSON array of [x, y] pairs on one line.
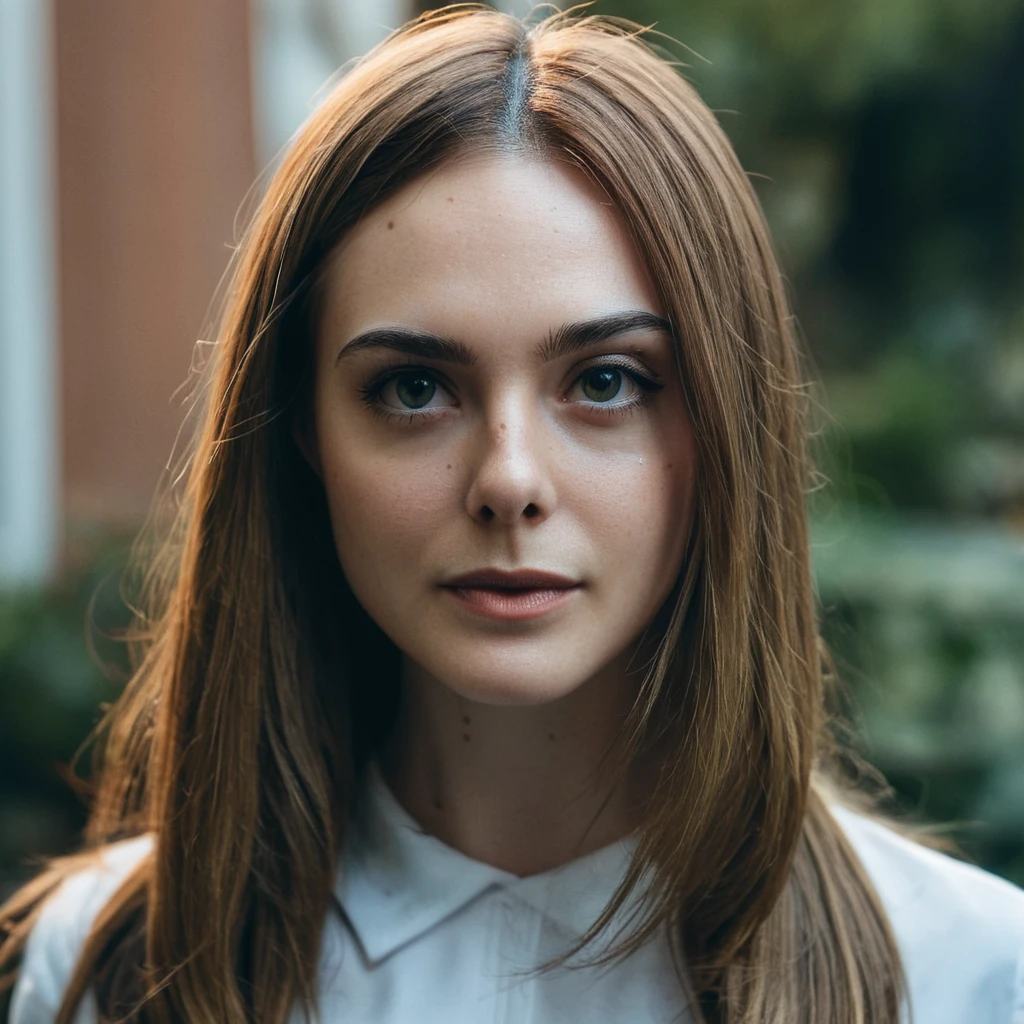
[[396, 882]]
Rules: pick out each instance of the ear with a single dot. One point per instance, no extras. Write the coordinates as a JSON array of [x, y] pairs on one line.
[[304, 436]]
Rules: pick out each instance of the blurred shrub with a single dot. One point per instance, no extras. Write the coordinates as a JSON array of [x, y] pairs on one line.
[[927, 624], [52, 689]]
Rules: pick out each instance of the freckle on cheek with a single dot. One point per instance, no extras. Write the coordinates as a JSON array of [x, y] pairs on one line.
[[391, 224]]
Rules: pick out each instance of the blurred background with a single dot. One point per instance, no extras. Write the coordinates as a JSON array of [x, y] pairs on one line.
[[886, 142]]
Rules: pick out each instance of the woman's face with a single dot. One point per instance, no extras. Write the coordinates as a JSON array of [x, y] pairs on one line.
[[497, 396]]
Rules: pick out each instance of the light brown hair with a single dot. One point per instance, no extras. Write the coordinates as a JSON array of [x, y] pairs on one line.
[[241, 736]]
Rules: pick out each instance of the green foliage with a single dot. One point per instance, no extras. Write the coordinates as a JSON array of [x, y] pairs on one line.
[[52, 686], [926, 625]]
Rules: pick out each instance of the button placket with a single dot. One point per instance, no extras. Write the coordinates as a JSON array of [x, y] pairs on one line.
[[519, 954]]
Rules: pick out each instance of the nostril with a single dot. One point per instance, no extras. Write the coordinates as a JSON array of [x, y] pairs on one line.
[[531, 511], [486, 513]]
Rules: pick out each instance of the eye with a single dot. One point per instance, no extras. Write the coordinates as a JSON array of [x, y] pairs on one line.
[[412, 391], [614, 387], [601, 383]]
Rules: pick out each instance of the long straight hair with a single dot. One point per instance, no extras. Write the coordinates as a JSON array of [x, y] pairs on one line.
[[261, 687]]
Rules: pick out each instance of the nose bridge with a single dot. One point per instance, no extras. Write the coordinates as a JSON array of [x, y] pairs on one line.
[[511, 422], [511, 475]]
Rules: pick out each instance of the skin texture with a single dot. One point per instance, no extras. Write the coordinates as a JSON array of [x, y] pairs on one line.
[[512, 463]]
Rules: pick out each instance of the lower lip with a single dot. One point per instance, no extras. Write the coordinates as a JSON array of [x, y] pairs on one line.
[[512, 605]]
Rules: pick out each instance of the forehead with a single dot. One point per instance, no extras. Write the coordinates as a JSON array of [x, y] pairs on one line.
[[486, 245]]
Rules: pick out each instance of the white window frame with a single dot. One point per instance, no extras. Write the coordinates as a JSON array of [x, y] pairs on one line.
[[29, 385]]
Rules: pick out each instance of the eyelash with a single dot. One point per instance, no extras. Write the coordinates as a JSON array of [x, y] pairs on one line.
[[371, 391]]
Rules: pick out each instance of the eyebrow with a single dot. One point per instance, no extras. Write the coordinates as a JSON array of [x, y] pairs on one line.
[[411, 342], [570, 337], [583, 333]]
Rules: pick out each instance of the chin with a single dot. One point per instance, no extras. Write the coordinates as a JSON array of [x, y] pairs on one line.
[[511, 693], [493, 680]]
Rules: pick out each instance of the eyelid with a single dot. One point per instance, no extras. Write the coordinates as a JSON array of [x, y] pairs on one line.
[[370, 395], [387, 373], [642, 374]]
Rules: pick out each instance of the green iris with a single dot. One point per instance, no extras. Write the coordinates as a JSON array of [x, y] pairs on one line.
[[415, 389], [601, 383]]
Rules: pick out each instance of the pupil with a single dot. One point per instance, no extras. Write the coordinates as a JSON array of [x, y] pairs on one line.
[[415, 390], [601, 385]]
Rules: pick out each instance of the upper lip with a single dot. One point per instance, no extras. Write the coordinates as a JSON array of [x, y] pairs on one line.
[[519, 579]]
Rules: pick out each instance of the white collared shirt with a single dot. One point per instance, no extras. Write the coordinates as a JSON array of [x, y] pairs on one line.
[[424, 934]]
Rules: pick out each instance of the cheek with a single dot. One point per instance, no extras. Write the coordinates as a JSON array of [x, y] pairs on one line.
[[383, 510], [640, 489], [675, 482], [641, 519]]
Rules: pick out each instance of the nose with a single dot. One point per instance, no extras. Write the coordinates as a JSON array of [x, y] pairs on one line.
[[512, 482]]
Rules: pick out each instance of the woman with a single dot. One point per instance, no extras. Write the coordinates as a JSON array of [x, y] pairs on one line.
[[480, 676]]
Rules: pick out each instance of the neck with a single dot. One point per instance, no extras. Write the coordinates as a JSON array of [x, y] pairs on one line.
[[525, 789]]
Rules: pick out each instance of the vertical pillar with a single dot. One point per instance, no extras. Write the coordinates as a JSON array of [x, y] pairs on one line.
[[155, 158], [29, 441]]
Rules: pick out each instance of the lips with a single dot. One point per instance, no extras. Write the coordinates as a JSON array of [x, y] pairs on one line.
[[520, 579], [511, 597]]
